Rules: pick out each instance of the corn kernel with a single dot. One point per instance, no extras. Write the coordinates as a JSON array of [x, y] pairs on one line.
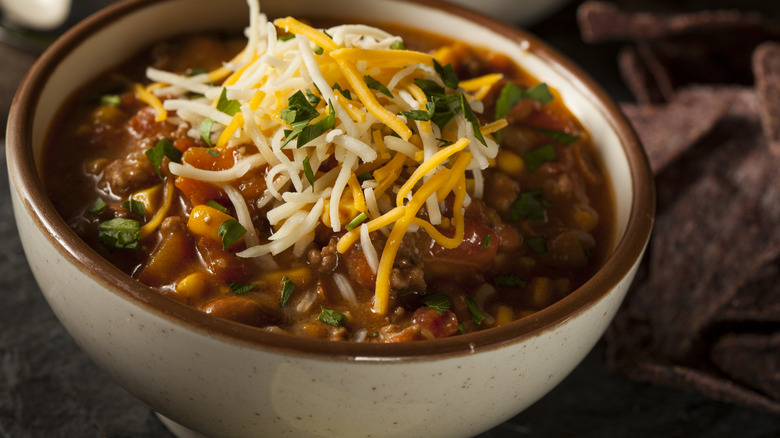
[[192, 287], [504, 315], [510, 163]]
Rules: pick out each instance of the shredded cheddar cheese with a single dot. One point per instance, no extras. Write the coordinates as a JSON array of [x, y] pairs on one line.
[[337, 119]]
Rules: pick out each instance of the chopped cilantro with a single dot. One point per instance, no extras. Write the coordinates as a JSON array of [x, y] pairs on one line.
[[536, 157], [135, 207], [332, 317], [307, 170], [447, 75], [421, 115], [216, 205], [344, 93], [228, 106], [559, 136], [322, 126], [195, 71], [163, 148], [287, 289], [485, 242], [439, 302], [230, 231], [511, 94], [537, 243], [471, 118], [205, 130], [111, 99], [376, 85], [474, 310], [238, 288], [313, 99], [529, 205], [365, 176], [318, 50], [299, 113], [397, 45], [212, 152], [354, 223], [120, 233], [509, 280], [286, 37], [98, 206]]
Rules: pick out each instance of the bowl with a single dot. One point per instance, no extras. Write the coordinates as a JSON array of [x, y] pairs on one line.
[[218, 378], [522, 13]]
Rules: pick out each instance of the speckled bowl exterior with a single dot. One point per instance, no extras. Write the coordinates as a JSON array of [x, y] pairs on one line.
[[225, 379]]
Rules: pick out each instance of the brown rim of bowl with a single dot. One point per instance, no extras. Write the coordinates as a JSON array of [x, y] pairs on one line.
[[29, 187]]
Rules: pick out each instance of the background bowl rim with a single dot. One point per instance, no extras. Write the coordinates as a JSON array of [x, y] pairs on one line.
[[28, 186]]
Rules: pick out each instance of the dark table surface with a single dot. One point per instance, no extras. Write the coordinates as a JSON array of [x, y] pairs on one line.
[[48, 388]]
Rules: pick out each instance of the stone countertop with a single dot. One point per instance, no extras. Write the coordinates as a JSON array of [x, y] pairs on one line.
[[48, 387]]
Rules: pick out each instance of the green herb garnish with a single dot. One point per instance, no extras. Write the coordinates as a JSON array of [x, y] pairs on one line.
[[421, 115], [313, 99], [195, 71], [216, 205], [238, 288], [509, 280], [376, 85], [447, 75], [354, 223], [230, 231], [332, 317], [163, 148], [318, 50], [212, 152], [365, 176], [438, 302], [471, 118], [485, 242], [344, 93], [120, 233], [529, 205], [559, 136], [536, 157], [299, 114], [308, 172], [228, 106], [111, 100], [286, 37], [135, 207], [205, 130], [287, 289], [98, 206], [474, 310], [511, 94], [537, 243], [397, 45]]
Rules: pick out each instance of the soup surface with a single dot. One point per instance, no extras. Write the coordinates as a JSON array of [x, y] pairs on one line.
[[344, 184]]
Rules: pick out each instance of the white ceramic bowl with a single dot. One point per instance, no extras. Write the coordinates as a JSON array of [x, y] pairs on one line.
[[520, 12], [225, 379]]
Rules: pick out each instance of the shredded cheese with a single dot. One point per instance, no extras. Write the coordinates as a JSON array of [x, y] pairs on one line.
[[312, 180]]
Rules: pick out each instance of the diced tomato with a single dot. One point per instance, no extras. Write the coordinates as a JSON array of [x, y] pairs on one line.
[[441, 325], [199, 192], [480, 245], [202, 158], [547, 118]]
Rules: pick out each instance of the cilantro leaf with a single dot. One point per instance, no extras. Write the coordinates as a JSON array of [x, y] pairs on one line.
[[485, 242], [238, 288], [376, 85], [537, 243], [397, 45], [421, 115], [228, 106], [120, 233], [536, 157], [529, 205], [332, 317], [216, 205], [509, 280], [559, 136], [205, 130], [511, 94], [344, 93], [230, 231], [135, 207], [322, 126], [447, 75], [299, 109], [540, 93], [111, 100], [474, 310], [471, 118], [313, 99], [439, 302], [307, 170], [163, 148], [98, 206], [287, 289]]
